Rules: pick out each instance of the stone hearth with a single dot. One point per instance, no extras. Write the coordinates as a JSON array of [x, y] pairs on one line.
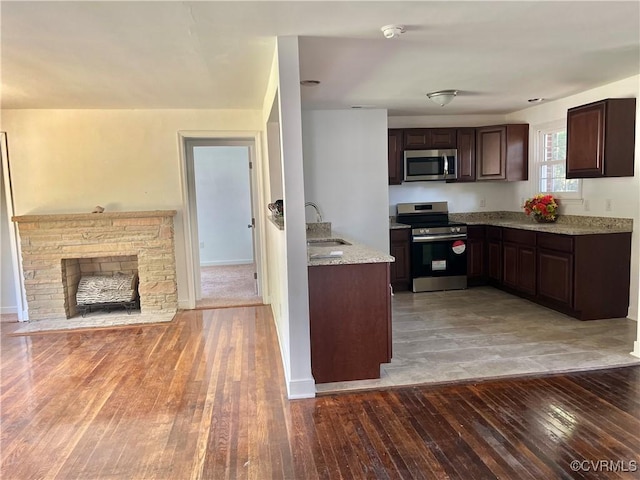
[[50, 243]]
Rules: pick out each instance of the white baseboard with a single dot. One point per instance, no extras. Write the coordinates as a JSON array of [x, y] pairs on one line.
[[8, 310], [184, 305], [218, 263], [296, 389], [305, 388]]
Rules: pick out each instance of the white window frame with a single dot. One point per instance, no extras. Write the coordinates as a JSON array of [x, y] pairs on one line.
[[541, 131]]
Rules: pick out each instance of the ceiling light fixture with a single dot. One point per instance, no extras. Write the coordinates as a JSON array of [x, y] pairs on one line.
[[442, 97], [535, 100], [309, 83], [392, 31]]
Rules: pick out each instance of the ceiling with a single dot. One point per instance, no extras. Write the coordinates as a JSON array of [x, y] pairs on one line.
[[210, 54]]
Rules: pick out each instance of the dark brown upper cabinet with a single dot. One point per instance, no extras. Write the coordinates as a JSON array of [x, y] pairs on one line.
[[395, 158], [502, 152], [466, 141], [428, 138], [601, 139]]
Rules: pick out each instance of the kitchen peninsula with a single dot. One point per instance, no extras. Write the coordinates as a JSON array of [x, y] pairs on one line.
[[349, 307]]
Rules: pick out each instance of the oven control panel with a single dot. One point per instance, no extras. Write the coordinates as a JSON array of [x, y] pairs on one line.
[[438, 230]]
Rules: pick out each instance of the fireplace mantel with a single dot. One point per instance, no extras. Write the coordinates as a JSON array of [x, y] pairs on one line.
[[49, 241], [61, 217]]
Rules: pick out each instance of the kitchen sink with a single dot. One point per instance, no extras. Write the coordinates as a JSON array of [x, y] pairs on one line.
[[327, 242]]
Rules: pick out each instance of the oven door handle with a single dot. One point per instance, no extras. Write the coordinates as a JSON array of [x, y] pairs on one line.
[[437, 238]]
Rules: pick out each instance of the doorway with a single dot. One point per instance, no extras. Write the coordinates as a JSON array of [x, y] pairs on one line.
[[222, 222], [13, 300]]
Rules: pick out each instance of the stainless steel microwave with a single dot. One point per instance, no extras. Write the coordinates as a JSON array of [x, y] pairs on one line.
[[424, 165]]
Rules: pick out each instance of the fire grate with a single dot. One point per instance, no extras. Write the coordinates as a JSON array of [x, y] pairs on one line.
[[106, 292]]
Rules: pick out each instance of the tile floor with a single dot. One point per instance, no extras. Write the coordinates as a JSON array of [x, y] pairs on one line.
[[485, 333]]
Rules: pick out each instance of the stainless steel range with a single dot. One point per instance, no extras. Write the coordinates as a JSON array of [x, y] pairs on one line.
[[438, 246]]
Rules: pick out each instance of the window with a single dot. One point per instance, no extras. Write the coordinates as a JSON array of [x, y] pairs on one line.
[[551, 164]]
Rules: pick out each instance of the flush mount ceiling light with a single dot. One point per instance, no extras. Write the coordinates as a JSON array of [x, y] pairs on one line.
[[535, 100], [309, 83], [392, 31], [443, 97]]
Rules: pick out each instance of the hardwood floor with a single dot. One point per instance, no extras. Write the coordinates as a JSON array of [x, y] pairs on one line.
[[204, 397]]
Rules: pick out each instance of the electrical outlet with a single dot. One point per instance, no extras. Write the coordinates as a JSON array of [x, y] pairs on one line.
[[201, 244], [587, 206], [607, 204], [483, 202]]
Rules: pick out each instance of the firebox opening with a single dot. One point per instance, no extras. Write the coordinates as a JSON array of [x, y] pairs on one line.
[[105, 284]]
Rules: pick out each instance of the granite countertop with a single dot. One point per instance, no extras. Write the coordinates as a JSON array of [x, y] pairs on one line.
[[351, 254], [558, 228], [277, 221], [565, 225], [397, 226]]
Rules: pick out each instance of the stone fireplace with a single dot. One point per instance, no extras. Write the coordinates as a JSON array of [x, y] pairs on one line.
[[58, 249]]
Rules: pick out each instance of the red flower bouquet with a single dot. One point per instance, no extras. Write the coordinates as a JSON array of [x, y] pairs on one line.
[[544, 208]]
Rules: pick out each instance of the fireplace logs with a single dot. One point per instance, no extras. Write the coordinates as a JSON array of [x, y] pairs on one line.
[[107, 291]]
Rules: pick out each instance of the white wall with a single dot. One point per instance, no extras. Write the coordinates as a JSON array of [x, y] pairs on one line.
[[276, 288], [345, 172], [68, 161], [223, 196], [462, 197], [8, 295], [290, 252], [624, 192], [274, 183]]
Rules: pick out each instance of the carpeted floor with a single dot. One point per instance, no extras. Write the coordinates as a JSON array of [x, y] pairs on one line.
[[228, 286]]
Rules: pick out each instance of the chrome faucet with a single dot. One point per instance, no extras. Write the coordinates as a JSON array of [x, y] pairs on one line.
[[318, 214]]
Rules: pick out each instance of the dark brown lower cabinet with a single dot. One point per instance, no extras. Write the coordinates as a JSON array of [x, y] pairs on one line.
[[350, 321], [601, 275], [400, 249], [555, 277], [585, 276], [494, 255], [476, 255], [519, 260]]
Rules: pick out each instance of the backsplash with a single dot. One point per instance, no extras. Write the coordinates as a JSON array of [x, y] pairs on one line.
[[319, 228]]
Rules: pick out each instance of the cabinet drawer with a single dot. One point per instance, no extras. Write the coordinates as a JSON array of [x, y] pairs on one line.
[[526, 237], [553, 241]]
